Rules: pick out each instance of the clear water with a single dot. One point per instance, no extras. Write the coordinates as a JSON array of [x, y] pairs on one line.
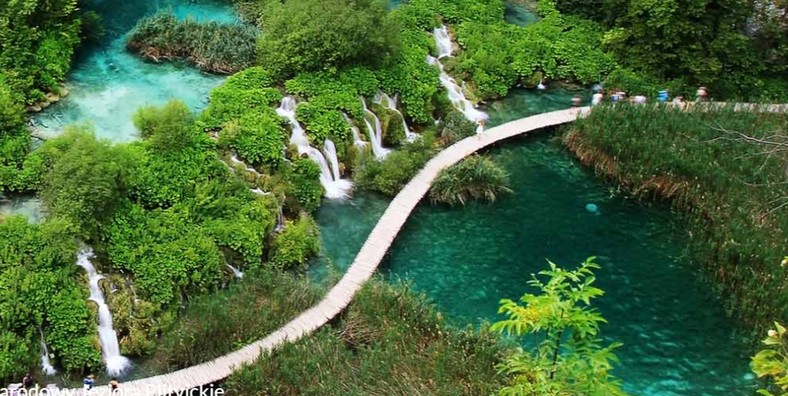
[[676, 338], [26, 206], [107, 84], [516, 13]]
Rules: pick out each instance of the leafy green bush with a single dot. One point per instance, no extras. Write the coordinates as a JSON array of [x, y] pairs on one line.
[[393, 172], [474, 178], [455, 127], [304, 36], [570, 359], [211, 46], [390, 342], [299, 242], [14, 144], [304, 191], [258, 138]]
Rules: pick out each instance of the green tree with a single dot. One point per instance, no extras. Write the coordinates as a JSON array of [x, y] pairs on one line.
[[307, 35], [566, 356]]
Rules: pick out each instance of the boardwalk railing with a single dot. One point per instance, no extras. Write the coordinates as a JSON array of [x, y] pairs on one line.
[[366, 262]]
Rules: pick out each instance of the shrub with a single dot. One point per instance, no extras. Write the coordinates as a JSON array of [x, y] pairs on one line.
[[393, 172], [474, 178], [304, 191], [455, 127], [299, 242]]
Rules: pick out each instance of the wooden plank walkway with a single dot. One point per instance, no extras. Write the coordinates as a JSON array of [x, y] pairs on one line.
[[367, 260]]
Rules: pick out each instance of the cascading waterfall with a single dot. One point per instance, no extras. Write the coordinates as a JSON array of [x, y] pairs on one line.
[[375, 129], [116, 363], [258, 191], [391, 103], [443, 41], [357, 141], [249, 169], [280, 221], [335, 187], [330, 150], [46, 365], [456, 95], [236, 272]]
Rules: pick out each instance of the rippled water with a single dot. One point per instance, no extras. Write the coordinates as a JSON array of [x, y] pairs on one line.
[[676, 338], [107, 84]]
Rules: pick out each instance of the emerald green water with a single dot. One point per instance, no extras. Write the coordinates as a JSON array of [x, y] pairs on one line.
[[676, 338]]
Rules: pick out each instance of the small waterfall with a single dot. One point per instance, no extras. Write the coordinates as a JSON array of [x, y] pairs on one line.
[[46, 365], [541, 86], [391, 103], [116, 363], [336, 188], [375, 130], [280, 221], [357, 141], [330, 150], [443, 41], [236, 272], [456, 95], [235, 160], [258, 191]]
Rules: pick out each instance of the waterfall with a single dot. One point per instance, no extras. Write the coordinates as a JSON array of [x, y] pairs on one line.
[[375, 130], [110, 350], [456, 95], [235, 160], [330, 150], [335, 187], [238, 274], [280, 221], [541, 86], [46, 365], [357, 141], [391, 103], [443, 41], [258, 191]]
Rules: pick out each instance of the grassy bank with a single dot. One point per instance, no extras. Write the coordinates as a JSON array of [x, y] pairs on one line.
[[725, 172], [389, 342]]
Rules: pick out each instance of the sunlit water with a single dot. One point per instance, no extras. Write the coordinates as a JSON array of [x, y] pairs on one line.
[[26, 206], [676, 338], [107, 84]]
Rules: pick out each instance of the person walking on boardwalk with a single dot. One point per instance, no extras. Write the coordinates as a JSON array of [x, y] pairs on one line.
[[88, 382], [28, 381], [700, 94], [576, 101], [596, 99], [113, 385]]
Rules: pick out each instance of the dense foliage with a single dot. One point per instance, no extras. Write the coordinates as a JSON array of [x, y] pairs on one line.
[[474, 178], [393, 172], [42, 298], [17, 172], [727, 169], [299, 241], [303, 35], [569, 359], [211, 46], [390, 342], [37, 41]]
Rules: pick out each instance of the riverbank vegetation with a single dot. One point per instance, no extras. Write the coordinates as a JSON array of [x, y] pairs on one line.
[[725, 171], [211, 46], [476, 178], [390, 341]]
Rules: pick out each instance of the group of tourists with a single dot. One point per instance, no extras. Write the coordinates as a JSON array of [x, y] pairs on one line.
[[701, 95], [29, 383]]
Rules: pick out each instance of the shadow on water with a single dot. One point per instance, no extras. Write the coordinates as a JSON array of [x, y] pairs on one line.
[[107, 84], [676, 338]]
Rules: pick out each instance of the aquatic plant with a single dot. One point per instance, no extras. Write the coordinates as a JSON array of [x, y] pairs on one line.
[[566, 356], [474, 178], [211, 46], [391, 341], [725, 171]]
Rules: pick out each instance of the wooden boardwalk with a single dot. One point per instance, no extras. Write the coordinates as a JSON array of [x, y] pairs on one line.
[[366, 262]]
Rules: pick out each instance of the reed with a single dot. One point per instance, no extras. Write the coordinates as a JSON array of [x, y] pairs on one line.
[[475, 178], [212, 47], [726, 172]]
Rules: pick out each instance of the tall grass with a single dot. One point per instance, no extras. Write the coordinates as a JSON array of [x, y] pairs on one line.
[[730, 188], [474, 178], [212, 47], [215, 324], [390, 342]]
